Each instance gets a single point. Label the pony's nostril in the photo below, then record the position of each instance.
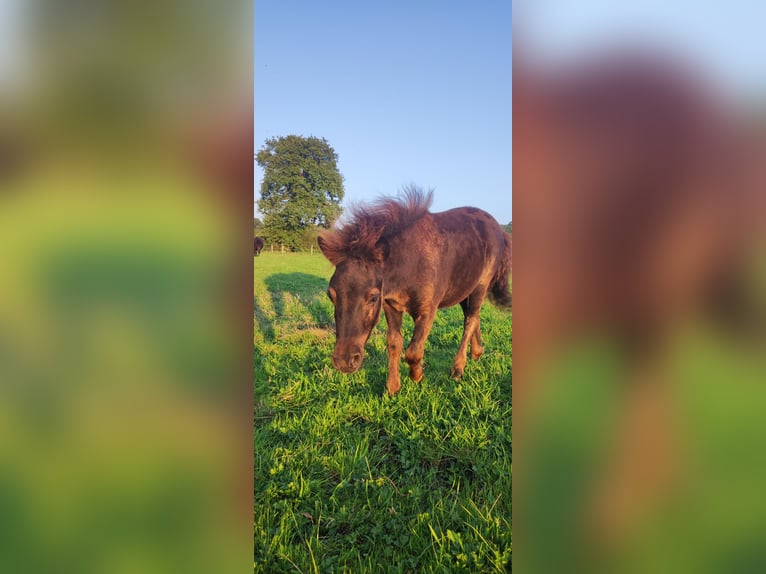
(355, 361)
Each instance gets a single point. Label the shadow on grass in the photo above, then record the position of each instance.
(265, 325)
(303, 286)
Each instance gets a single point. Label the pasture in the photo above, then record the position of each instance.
(349, 480)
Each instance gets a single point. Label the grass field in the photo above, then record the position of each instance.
(350, 480)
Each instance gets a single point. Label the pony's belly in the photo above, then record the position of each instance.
(452, 298)
(463, 285)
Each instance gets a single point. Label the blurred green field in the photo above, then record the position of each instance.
(349, 480)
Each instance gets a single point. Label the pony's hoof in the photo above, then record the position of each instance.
(456, 373)
(416, 376)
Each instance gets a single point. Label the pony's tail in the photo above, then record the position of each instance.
(499, 290)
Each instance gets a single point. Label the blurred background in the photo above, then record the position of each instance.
(126, 139)
(125, 357)
(639, 287)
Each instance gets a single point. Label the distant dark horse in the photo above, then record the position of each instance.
(397, 255)
(258, 245)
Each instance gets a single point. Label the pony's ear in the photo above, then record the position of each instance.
(328, 245)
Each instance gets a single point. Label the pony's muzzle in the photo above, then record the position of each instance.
(348, 362)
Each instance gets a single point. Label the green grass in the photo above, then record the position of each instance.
(350, 480)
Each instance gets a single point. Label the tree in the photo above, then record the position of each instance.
(257, 226)
(301, 189)
(508, 227)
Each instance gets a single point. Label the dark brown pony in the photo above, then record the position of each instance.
(397, 255)
(637, 189)
(639, 192)
(258, 245)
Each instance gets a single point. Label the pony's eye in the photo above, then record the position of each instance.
(373, 298)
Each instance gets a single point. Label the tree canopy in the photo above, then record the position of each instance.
(301, 189)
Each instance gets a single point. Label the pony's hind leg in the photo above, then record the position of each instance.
(471, 331)
(477, 349)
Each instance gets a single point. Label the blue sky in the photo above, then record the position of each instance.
(406, 92)
(726, 40)
(420, 91)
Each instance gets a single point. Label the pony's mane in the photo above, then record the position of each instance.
(360, 236)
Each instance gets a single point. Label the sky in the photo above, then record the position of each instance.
(725, 40)
(404, 91)
(12, 27)
(420, 91)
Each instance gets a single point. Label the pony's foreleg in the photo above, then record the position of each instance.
(395, 342)
(471, 332)
(416, 348)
